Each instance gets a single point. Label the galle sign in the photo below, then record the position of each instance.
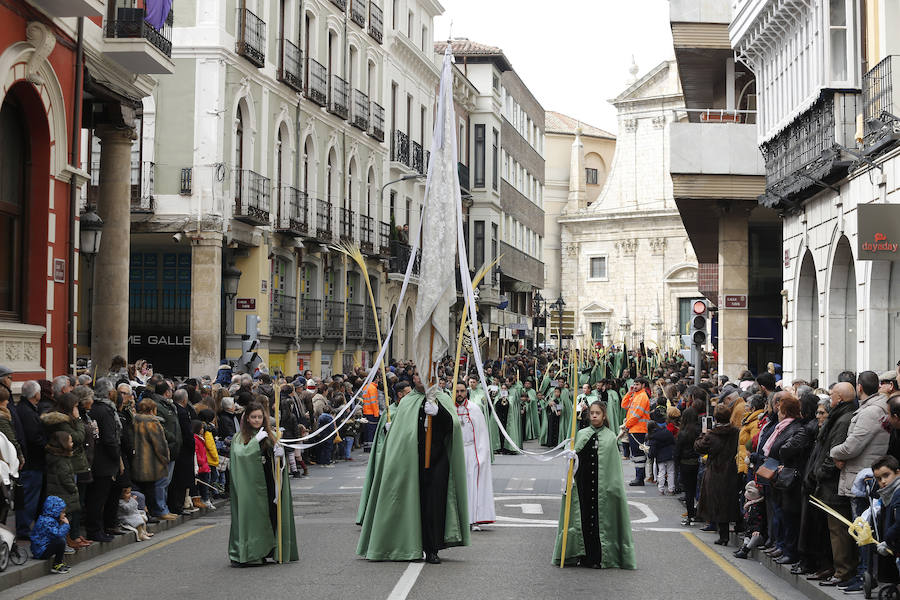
(878, 231)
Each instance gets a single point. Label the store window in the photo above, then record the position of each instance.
(14, 151)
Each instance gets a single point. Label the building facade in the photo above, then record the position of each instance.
(599, 150)
(628, 271)
(826, 130)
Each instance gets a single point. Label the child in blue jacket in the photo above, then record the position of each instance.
(48, 538)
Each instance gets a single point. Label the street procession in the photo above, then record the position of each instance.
(416, 299)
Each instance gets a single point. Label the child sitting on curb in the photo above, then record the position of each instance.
(48, 538)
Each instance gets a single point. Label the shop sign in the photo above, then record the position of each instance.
(59, 270)
(736, 301)
(245, 303)
(878, 231)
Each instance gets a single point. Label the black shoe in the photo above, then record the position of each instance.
(687, 522)
(802, 569)
(784, 560)
(100, 537)
(776, 554)
(721, 542)
(741, 553)
(636, 483)
(709, 528)
(115, 531)
(432, 558)
(152, 520)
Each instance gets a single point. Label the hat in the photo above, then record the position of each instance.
(886, 376)
(751, 492)
(311, 385)
(5, 371)
(299, 382)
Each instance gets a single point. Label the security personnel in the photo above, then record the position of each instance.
(638, 402)
(371, 412)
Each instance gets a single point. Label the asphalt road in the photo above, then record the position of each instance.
(509, 560)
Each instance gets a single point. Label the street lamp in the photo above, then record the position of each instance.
(230, 279)
(537, 302)
(559, 305)
(91, 231)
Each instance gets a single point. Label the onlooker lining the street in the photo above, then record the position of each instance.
(31, 475)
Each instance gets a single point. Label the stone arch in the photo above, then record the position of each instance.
(332, 188)
(370, 198)
(311, 286)
(806, 342)
(408, 330)
(14, 68)
(309, 160)
(244, 115)
(841, 350)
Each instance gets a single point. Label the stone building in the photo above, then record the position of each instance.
(628, 270)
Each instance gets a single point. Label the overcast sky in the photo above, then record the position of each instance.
(573, 55)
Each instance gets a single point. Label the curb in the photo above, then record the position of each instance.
(810, 589)
(35, 568)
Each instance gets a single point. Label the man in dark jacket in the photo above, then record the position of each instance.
(165, 409)
(183, 474)
(826, 474)
(31, 475)
(101, 499)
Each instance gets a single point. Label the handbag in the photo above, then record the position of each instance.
(785, 478)
(768, 472)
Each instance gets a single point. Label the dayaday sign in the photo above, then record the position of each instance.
(878, 231)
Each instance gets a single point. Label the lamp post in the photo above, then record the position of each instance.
(559, 305)
(537, 302)
(91, 226)
(231, 276)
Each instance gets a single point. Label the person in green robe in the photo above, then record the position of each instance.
(599, 534)
(477, 395)
(254, 512)
(614, 410)
(514, 417)
(566, 411)
(407, 509)
(550, 403)
(532, 421)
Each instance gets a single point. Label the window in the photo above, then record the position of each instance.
(479, 156)
(495, 82)
(424, 38)
(590, 176)
(597, 329)
(409, 25)
(598, 267)
(838, 38)
(495, 165)
(479, 244)
(396, 9)
(14, 149)
(494, 251)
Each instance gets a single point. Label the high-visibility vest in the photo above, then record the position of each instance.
(370, 400)
(638, 413)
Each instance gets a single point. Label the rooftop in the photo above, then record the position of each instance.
(475, 51)
(559, 123)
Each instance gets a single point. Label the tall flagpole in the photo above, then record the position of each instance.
(277, 467)
(569, 477)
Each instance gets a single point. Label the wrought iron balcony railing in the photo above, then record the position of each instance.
(358, 12)
(323, 220)
(338, 100)
(399, 260)
(370, 332)
(400, 148)
(251, 38)
(881, 107)
(463, 172)
(130, 23)
(293, 211)
(376, 22)
(418, 157)
(142, 186)
(366, 234)
(384, 239)
(333, 320)
(310, 318)
(355, 321)
(316, 82)
(251, 203)
(341, 4)
(376, 121)
(360, 115)
(283, 315)
(291, 66)
(347, 217)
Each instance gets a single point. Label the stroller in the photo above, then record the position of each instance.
(9, 550)
(878, 568)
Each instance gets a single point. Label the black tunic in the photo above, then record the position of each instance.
(501, 407)
(586, 479)
(552, 427)
(434, 480)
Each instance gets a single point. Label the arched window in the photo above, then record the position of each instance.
(370, 181)
(278, 171)
(307, 164)
(14, 153)
(238, 152)
(348, 200)
(329, 174)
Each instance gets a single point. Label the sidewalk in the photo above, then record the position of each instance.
(34, 568)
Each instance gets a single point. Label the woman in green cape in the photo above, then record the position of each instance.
(599, 524)
(254, 513)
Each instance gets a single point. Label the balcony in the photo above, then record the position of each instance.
(251, 203)
(370, 334)
(338, 99)
(333, 320)
(400, 148)
(358, 12)
(355, 321)
(376, 121)
(347, 217)
(719, 144)
(310, 318)
(323, 220)
(399, 258)
(360, 115)
(418, 157)
(881, 110)
(292, 213)
(251, 37)
(810, 151)
(376, 22)
(159, 309)
(520, 266)
(384, 239)
(71, 8)
(282, 315)
(463, 172)
(341, 4)
(136, 44)
(291, 65)
(142, 186)
(316, 82)
(366, 234)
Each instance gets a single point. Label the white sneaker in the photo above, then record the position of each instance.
(210, 505)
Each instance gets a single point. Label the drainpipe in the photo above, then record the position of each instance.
(73, 191)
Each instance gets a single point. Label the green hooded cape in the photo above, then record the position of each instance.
(389, 509)
(514, 416)
(251, 537)
(617, 548)
(532, 422)
(565, 415)
(614, 412)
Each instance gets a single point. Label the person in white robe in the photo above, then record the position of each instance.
(477, 446)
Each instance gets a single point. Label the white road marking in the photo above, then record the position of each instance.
(406, 581)
(517, 484)
(528, 509)
(663, 529)
(351, 487)
(649, 515)
(526, 522)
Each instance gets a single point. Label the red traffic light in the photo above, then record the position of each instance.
(699, 307)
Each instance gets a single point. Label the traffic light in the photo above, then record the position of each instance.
(699, 323)
(249, 359)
